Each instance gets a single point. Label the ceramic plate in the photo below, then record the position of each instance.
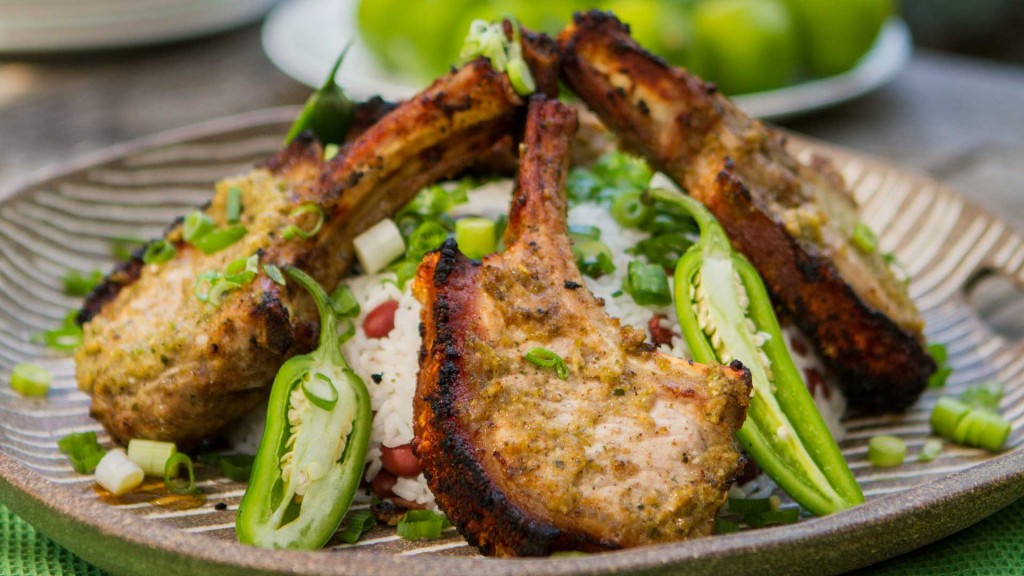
(303, 38)
(67, 220)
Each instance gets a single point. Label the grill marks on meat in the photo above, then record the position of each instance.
(793, 220)
(160, 364)
(635, 447)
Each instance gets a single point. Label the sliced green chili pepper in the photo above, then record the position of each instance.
(310, 461)
(328, 112)
(725, 314)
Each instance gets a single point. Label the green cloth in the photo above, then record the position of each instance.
(994, 546)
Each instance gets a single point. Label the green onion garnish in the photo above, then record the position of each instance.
(242, 270)
(344, 302)
(359, 522)
(197, 224)
(294, 230)
(219, 239)
(946, 415)
(726, 526)
(151, 455)
(963, 424)
(158, 252)
(78, 284)
(220, 288)
(237, 467)
(67, 338)
(31, 380)
(629, 209)
(578, 232)
(123, 248)
(940, 355)
(422, 525)
(750, 505)
(204, 284)
(475, 236)
(864, 238)
(330, 151)
(426, 237)
(547, 359)
(274, 273)
(647, 284)
(593, 258)
(886, 451)
(932, 447)
(233, 205)
(174, 484)
(83, 450)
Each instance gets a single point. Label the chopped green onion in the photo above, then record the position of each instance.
(725, 526)
(930, 450)
(320, 391)
(159, 252)
(117, 473)
(294, 230)
(359, 522)
(864, 238)
(547, 359)
(79, 284)
(647, 284)
(233, 205)
(983, 396)
(946, 416)
(426, 237)
(664, 249)
(520, 77)
(197, 224)
(475, 236)
(330, 151)
(151, 455)
(67, 338)
(174, 484)
(421, 525)
(237, 467)
(204, 283)
(274, 273)
(344, 302)
(750, 505)
(629, 209)
(593, 258)
(31, 380)
(940, 355)
(83, 449)
(220, 288)
(379, 245)
(123, 248)
(787, 516)
(241, 271)
(219, 239)
(490, 41)
(886, 451)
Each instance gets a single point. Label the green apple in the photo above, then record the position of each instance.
(744, 45)
(661, 27)
(835, 34)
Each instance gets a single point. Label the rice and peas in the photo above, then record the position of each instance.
(389, 364)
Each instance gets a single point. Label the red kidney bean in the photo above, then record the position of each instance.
(400, 460)
(382, 484)
(659, 334)
(381, 320)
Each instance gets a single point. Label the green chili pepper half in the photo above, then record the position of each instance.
(725, 314)
(311, 458)
(328, 112)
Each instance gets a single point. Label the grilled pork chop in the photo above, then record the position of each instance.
(631, 447)
(794, 221)
(161, 364)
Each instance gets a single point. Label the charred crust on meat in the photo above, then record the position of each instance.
(571, 285)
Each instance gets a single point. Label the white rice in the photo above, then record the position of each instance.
(394, 358)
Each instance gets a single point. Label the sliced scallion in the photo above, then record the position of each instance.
(344, 302)
(426, 237)
(117, 473)
(219, 239)
(294, 230)
(123, 248)
(475, 236)
(237, 467)
(233, 205)
(647, 284)
(931, 448)
(358, 523)
(220, 289)
(172, 469)
(886, 451)
(940, 355)
(151, 455)
(275, 274)
(421, 525)
(83, 449)
(593, 258)
(79, 284)
(67, 338)
(545, 358)
(158, 252)
(379, 245)
(197, 224)
(629, 209)
(31, 380)
(864, 238)
(204, 283)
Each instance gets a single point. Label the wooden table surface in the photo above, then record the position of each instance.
(959, 120)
